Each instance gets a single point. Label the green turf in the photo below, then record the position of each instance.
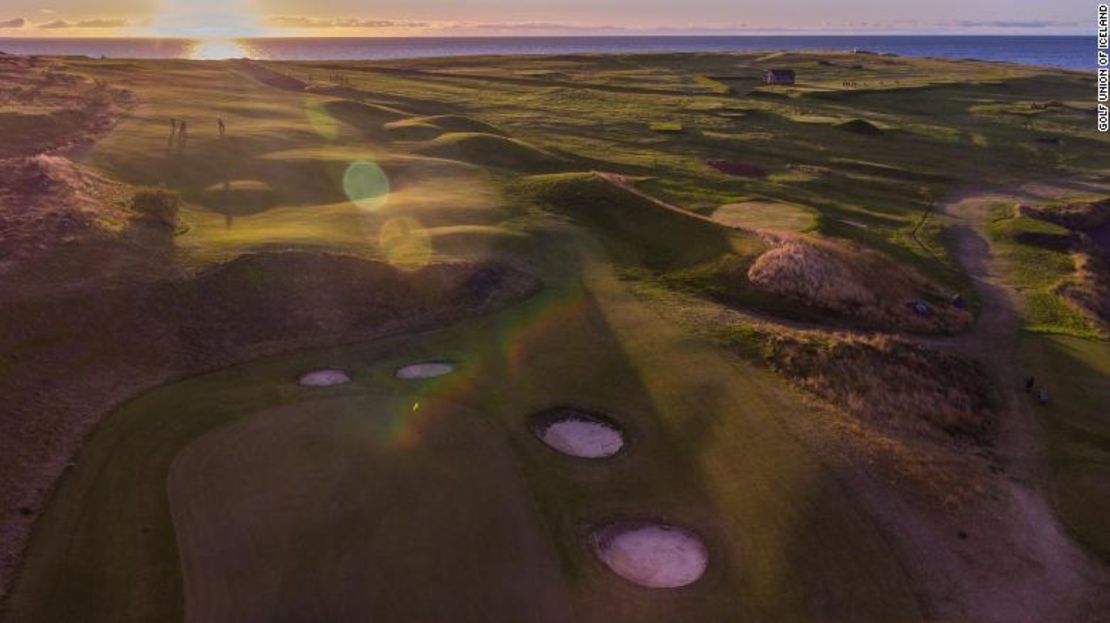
(1038, 261)
(1077, 375)
(786, 542)
(494, 156)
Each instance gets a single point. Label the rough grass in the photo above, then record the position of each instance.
(1090, 289)
(881, 380)
(1039, 261)
(854, 283)
(666, 127)
(157, 205)
(48, 200)
(1077, 213)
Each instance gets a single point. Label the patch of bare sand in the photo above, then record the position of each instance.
(854, 282)
(578, 433)
(325, 378)
(424, 370)
(652, 555)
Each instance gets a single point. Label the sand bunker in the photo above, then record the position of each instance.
(424, 370)
(652, 555)
(325, 378)
(578, 433)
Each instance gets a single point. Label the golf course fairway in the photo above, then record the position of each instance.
(301, 361)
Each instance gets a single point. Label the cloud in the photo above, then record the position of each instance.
(1032, 24)
(102, 23)
(434, 26)
(534, 27)
(85, 23)
(340, 22)
(15, 22)
(47, 11)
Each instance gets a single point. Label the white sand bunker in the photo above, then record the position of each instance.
(652, 555)
(424, 370)
(325, 378)
(578, 433)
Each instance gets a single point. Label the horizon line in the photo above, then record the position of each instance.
(552, 36)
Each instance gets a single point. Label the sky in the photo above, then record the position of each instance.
(240, 18)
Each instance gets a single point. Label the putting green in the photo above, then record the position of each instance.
(765, 215)
(361, 508)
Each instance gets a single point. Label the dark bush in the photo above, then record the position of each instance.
(157, 205)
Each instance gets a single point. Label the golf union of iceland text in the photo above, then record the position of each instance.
(1103, 68)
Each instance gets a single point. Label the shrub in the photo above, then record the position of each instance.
(157, 205)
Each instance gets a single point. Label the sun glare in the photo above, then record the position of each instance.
(218, 49)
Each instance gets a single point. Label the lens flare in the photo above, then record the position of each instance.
(367, 185)
(405, 243)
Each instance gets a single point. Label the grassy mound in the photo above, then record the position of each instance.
(887, 382)
(49, 199)
(365, 117)
(278, 296)
(239, 197)
(492, 151)
(459, 123)
(1090, 289)
(1039, 259)
(635, 230)
(1076, 213)
(887, 170)
(860, 126)
(411, 130)
(854, 283)
(1031, 231)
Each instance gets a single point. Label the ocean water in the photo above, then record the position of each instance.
(1064, 52)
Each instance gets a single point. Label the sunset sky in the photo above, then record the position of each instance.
(209, 18)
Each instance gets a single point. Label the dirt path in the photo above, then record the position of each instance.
(1014, 562)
